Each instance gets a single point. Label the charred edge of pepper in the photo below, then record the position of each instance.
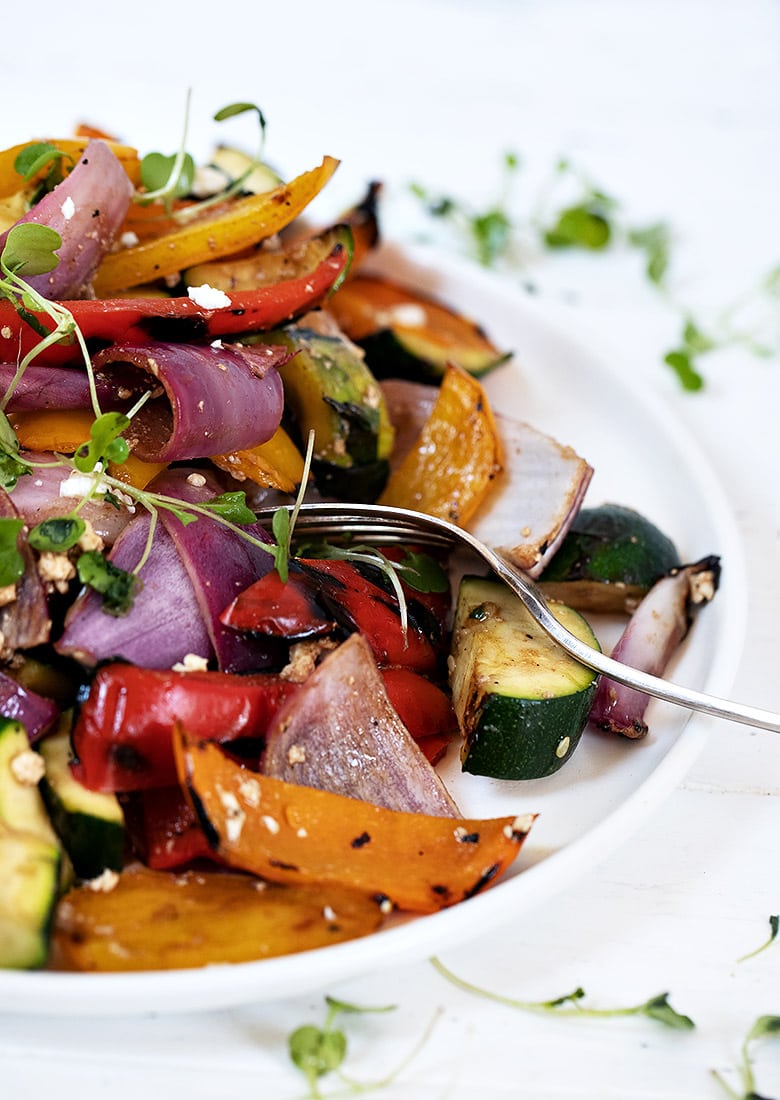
(175, 330)
(361, 841)
(211, 834)
(484, 880)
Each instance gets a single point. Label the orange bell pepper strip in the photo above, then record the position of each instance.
(450, 469)
(62, 430)
(11, 181)
(289, 833)
(247, 221)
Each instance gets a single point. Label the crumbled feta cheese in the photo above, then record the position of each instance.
(129, 239)
(104, 883)
(90, 539)
(196, 479)
(328, 913)
(6, 332)
(234, 815)
(208, 297)
(217, 344)
(28, 768)
(249, 789)
(191, 662)
(68, 208)
(56, 570)
(296, 754)
(208, 180)
(271, 824)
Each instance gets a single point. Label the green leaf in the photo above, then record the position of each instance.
(57, 534)
(36, 156)
(234, 109)
(10, 471)
(491, 232)
(658, 1008)
(30, 249)
(232, 507)
(423, 573)
(280, 525)
(11, 561)
(104, 434)
(681, 363)
(654, 240)
(316, 1051)
(581, 226)
(764, 1027)
(695, 339)
(157, 174)
(117, 587)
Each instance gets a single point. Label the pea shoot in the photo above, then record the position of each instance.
(774, 928)
(765, 1027)
(570, 1004)
(320, 1051)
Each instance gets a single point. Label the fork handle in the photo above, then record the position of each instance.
(625, 674)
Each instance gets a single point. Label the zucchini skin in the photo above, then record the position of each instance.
(30, 859)
(90, 824)
(521, 702)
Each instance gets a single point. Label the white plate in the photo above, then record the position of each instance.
(642, 458)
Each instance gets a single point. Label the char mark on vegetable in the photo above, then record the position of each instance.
(485, 878)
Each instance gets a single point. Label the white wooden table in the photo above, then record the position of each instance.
(675, 110)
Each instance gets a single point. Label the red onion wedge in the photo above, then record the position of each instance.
(24, 620)
(207, 400)
(652, 635)
(164, 623)
(36, 713)
(87, 210)
(37, 497)
(220, 564)
(339, 733)
(532, 502)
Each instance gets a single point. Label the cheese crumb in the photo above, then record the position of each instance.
(104, 883)
(271, 824)
(68, 208)
(296, 754)
(196, 479)
(208, 297)
(191, 662)
(28, 768)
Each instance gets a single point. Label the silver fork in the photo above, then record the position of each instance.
(377, 525)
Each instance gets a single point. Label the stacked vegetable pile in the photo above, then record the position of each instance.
(205, 720)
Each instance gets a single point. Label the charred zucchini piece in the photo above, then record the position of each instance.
(609, 559)
(235, 164)
(90, 824)
(406, 334)
(329, 390)
(29, 855)
(521, 702)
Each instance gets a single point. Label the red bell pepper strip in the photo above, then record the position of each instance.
(122, 734)
(164, 830)
(323, 592)
(111, 320)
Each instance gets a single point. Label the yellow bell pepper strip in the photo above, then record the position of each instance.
(247, 221)
(11, 181)
(289, 833)
(276, 464)
(156, 920)
(138, 320)
(449, 470)
(62, 430)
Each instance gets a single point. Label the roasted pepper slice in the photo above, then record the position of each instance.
(449, 470)
(115, 320)
(122, 735)
(247, 221)
(155, 920)
(289, 833)
(11, 181)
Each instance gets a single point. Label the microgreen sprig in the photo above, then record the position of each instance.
(570, 1004)
(774, 928)
(764, 1027)
(319, 1051)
